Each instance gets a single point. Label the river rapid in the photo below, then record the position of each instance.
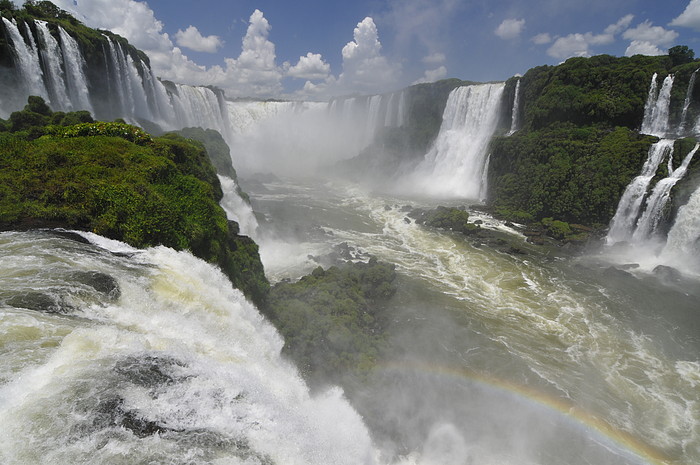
(112, 355)
(542, 357)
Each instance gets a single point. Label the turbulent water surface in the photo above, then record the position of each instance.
(114, 355)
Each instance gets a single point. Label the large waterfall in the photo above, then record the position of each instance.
(455, 165)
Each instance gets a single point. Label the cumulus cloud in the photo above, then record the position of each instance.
(510, 28)
(642, 47)
(310, 67)
(254, 72)
(364, 67)
(541, 39)
(580, 44)
(191, 38)
(646, 32)
(432, 75)
(690, 16)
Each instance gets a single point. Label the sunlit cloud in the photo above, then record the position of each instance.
(580, 45)
(642, 47)
(312, 67)
(432, 75)
(541, 39)
(191, 38)
(690, 16)
(646, 32)
(510, 28)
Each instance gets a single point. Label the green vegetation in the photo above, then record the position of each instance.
(572, 173)
(578, 149)
(332, 320)
(453, 219)
(115, 180)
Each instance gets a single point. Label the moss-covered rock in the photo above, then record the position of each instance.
(332, 320)
(117, 181)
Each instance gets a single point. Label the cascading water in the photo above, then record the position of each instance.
(75, 72)
(687, 101)
(683, 241)
(515, 114)
(623, 223)
(150, 357)
(656, 112)
(51, 54)
(27, 61)
(455, 165)
(201, 107)
(658, 199)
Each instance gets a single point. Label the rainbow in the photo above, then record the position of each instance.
(561, 406)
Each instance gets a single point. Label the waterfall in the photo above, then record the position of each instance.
(454, 166)
(656, 110)
(27, 61)
(237, 209)
(75, 72)
(180, 368)
(686, 102)
(683, 239)
(624, 221)
(658, 198)
(372, 119)
(51, 55)
(515, 114)
(201, 107)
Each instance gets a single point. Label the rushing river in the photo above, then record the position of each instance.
(507, 358)
(112, 355)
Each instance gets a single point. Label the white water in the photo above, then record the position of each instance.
(658, 199)
(515, 114)
(623, 223)
(75, 72)
(530, 318)
(454, 167)
(179, 348)
(657, 110)
(51, 53)
(687, 101)
(237, 209)
(683, 241)
(27, 61)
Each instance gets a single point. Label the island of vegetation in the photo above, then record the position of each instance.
(66, 170)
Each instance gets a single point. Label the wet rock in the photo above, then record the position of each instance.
(101, 282)
(149, 371)
(407, 220)
(39, 302)
(668, 274)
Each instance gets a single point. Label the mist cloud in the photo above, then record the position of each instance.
(191, 38)
(432, 75)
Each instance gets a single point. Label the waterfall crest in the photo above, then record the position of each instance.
(657, 109)
(455, 165)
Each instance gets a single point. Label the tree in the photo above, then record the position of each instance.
(6, 5)
(681, 54)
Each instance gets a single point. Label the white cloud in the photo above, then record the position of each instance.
(619, 26)
(580, 44)
(254, 72)
(432, 75)
(310, 67)
(690, 16)
(642, 47)
(541, 39)
(510, 28)
(655, 35)
(191, 38)
(434, 58)
(364, 67)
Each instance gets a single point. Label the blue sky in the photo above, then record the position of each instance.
(315, 49)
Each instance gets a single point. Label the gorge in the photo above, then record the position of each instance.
(124, 340)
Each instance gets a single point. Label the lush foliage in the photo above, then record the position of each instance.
(332, 319)
(571, 173)
(584, 91)
(450, 218)
(117, 181)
